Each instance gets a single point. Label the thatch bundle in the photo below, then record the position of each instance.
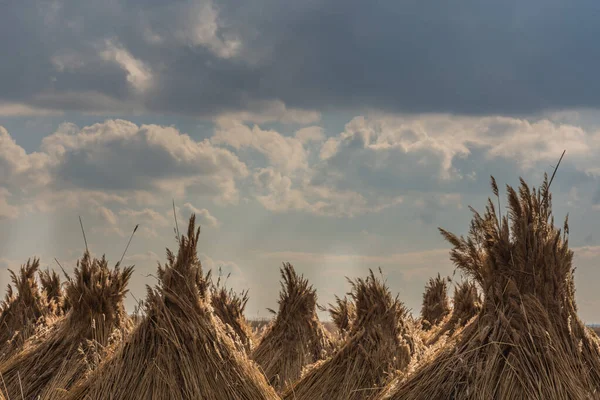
(342, 314)
(24, 309)
(466, 305)
(179, 350)
(229, 307)
(436, 305)
(296, 338)
(527, 342)
(50, 364)
(381, 343)
(52, 290)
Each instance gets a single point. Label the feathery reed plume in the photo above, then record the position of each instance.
(467, 304)
(23, 311)
(48, 365)
(436, 305)
(52, 290)
(342, 313)
(296, 338)
(381, 342)
(179, 350)
(527, 342)
(229, 307)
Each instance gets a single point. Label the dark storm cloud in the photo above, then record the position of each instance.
(412, 56)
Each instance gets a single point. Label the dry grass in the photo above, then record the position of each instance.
(57, 358)
(52, 291)
(527, 342)
(229, 307)
(24, 310)
(466, 305)
(436, 305)
(179, 350)
(520, 338)
(343, 313)
(296, 338)
(381, 343)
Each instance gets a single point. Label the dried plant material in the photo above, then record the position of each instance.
(527, 342)
(54, 361)
(436, 305)
(466, 305)
(343, 313)
(296, 338)
(229, 306)
(179, 350)
(52, 291)
(23, 311)
(381, 343)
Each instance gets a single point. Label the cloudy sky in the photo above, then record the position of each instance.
(336, 135)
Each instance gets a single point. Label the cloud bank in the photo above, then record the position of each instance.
(209, 57)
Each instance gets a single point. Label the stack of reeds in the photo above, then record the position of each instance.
(52, 291)
(229, 308)
(527, 342)
(343, 313)
(179, 350)
(381, 343)
(436, 305)
(466, 305)
(296, 338)
(51, 363)
(24, 310)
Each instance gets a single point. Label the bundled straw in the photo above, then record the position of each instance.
(22, 312)
(296, 338)
(381, 343)
(229, 307)
(527, 342)
(50, 364)
(52, 290)
(342, 314)
(467, 304)
(436, 305)
(179, 350)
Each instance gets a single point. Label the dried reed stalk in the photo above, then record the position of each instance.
(296, 338)
(229, 308)
(55, 360)
(436, 305)
(24, 310)
(52, 291)
(343, 313)
(527, 342)
(381, 343)
(466, 305)
(179, 350)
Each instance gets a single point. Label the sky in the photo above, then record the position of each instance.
(335, 135)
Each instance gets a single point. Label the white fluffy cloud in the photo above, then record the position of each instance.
(203, 27)
(310, 134)
(375, 163)
(139, 75)
(203, 216)
(285, 153)
(422, 152)
(119, 155)
(113, 166)
(276, 192)
(19, 169)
